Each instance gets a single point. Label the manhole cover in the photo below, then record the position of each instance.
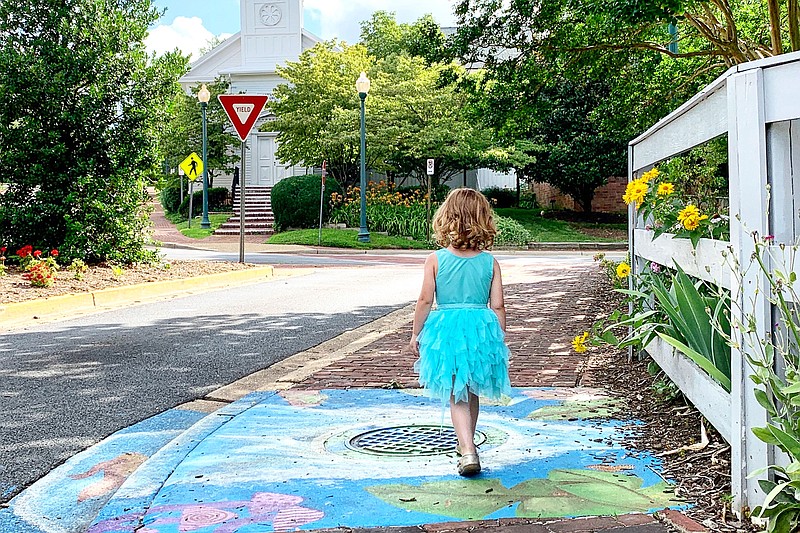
(409, 440)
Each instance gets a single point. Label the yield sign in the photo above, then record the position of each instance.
(243, 110)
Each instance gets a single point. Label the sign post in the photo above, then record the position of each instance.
(429, 171)
(243, 111)
(321, 203)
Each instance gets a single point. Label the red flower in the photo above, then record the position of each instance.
(54, 253)
(2, 250)
(37, 254)
(25, 251)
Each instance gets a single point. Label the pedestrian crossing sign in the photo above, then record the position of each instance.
(192, 166)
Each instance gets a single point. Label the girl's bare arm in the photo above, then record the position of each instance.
(496, 301)
(425, 300)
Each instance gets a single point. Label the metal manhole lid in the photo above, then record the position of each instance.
(409, 440)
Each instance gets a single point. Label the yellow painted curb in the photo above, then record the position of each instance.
(24, 312)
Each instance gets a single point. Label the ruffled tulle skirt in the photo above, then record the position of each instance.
(463, 350)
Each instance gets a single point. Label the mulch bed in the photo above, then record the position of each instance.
(668, 423)
(14, 288)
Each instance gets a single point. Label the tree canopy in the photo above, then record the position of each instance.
(414, 112)
(80, 108)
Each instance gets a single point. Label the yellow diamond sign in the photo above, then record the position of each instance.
(192, 166)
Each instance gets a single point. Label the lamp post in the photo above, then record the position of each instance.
(204, 95)
(362, 86)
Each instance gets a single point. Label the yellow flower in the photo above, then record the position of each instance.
(635, 192)
(650, 175)
(579, 342)
(623, 270)
(665, 189)
(690, 217)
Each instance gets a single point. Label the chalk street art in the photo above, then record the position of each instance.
(366, 458)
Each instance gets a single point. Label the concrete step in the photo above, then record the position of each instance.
(253, 231)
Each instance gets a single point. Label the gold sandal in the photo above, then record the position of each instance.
(469, 465)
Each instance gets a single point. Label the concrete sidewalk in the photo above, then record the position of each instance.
(339, 437)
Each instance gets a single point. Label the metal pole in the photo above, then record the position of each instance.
(673, 34)
(363, 233)
(205, 224)
(321, 204)
(191, 199)
(242, 189)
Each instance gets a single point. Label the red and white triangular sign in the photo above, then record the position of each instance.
(243, 110)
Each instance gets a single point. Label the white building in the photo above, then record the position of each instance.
(272, 33)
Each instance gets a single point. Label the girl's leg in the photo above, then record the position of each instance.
(461, 414)
(474, 410)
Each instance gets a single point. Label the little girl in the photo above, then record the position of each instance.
(461, 348)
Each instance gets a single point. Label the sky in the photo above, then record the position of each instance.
(190, 24)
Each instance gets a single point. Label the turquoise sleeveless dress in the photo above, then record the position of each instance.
(462, 346)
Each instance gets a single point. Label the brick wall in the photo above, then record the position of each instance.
(607, 199)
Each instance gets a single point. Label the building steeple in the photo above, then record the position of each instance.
(272, 32)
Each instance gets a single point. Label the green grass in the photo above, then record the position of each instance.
(344, 238)
(552, 230)
(196, 232)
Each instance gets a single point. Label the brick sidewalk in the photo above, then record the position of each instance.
(543, 318)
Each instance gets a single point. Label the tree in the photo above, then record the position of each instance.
(318, 111)
(80, 104)
(418, 113)
(383, 37)
(723, 31)
(184, 132)
(414, 112)
(574, 152)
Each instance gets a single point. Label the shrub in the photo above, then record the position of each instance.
(295, 201)
(511, 233)
(170, 197)
(500, 197)
(217, 198)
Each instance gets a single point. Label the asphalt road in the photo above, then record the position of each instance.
(67, 385)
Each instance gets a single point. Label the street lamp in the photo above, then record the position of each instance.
(204, 95)
(362, 86)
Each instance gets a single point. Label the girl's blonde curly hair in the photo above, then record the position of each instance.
(465, 220)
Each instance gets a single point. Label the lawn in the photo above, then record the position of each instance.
(552, 230)
(196, 232)
(343, 238)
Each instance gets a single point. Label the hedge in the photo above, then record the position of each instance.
(295, 201)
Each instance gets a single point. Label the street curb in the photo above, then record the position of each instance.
(583, 246)
(15, 314)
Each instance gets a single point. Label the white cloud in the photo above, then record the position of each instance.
(342, 18)
(185, 33)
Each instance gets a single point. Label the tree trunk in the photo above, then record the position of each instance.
(775, 26)
(585, 201)
(793, 12)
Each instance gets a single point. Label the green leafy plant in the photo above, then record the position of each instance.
(399, 212)
(685, 313)
(78, 268)
(117, 271)
(511, 233)
(775, 362)
(217, 198)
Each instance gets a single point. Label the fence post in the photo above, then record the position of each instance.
(748, 207)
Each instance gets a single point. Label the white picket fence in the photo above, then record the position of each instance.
(757, 105)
